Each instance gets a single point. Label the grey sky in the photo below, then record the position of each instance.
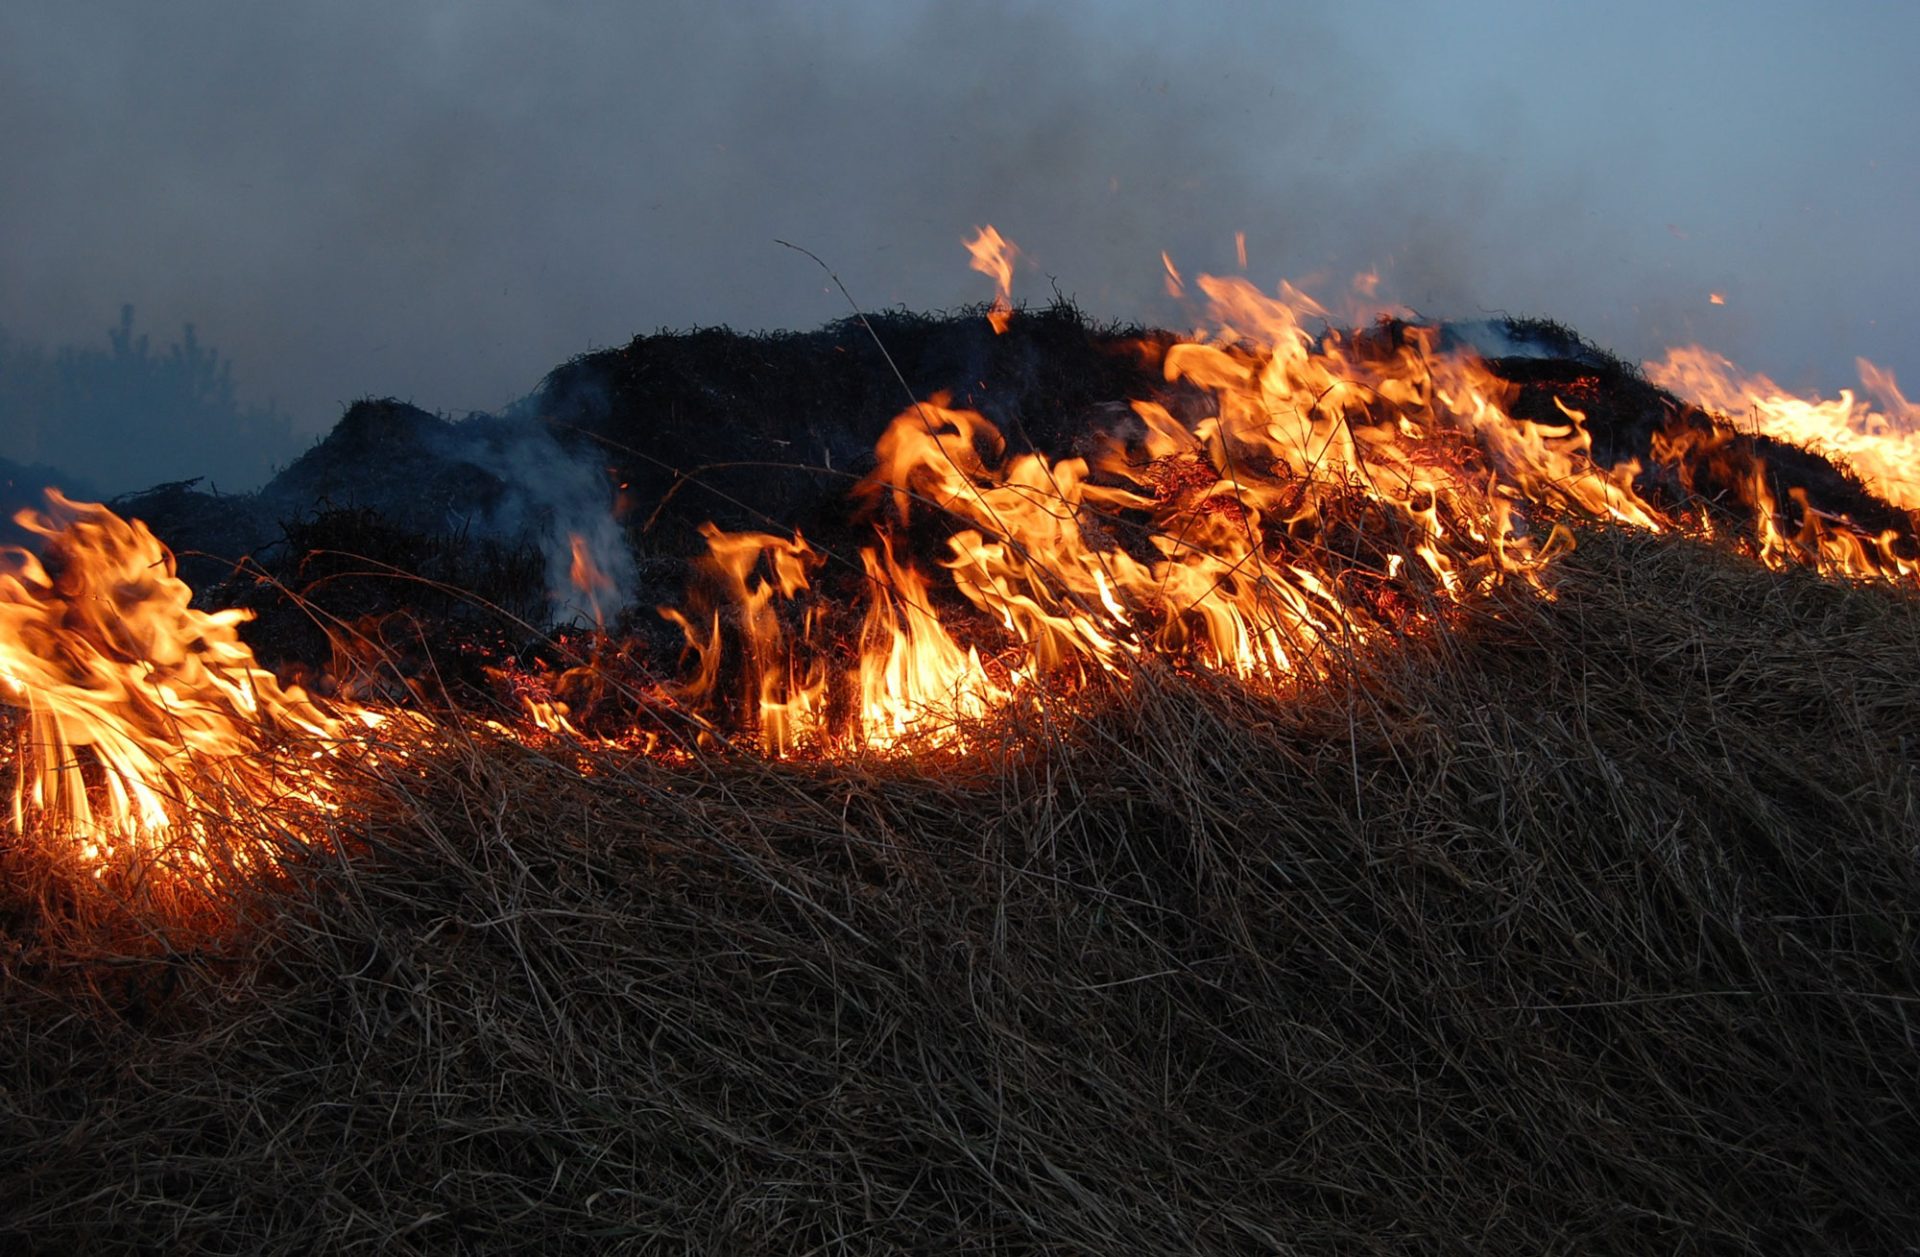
(440, 201)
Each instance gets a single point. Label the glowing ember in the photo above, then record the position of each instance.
(147, 725)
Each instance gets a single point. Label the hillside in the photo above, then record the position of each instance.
(1567, 905)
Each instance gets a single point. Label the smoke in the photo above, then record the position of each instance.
(441, 201)
(562, 501)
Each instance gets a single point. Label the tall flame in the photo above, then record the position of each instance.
(148, 723)
(992, 256)
(1336, 485)
(1882, 446)
(588, 578)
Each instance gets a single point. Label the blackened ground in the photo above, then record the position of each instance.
(770, 431)
(399, 513)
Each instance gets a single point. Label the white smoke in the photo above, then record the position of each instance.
(559, 499)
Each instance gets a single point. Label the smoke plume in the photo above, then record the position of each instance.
(441, 201)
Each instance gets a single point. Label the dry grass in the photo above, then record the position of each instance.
(1588, 927)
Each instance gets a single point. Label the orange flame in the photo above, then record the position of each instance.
(1881, 446)
(1337, 485)
(1320, 491)
(587, 576)
(993, 257)
(148, 723)
(1176, 287)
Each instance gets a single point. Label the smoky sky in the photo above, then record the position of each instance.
(441, 201)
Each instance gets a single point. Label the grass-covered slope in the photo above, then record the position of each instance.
(1585, 925)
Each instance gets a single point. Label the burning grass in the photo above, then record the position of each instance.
(1583, 924)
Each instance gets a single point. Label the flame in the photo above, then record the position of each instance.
(587, 576)
(993, 257)
(1339, 489)
(1881, 446)
(1313, 492)
(1176, 287)
(147, 724)
(914, 679)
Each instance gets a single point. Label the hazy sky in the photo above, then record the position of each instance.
(441, 201)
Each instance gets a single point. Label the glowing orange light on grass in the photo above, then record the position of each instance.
(147, 724)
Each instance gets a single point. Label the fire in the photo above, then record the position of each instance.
(1176, 287)
(913, 677)
(993, 257)
(1881, 446)
(587, 577)
(1339, 488)
(1303, 493)
(148, 725)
